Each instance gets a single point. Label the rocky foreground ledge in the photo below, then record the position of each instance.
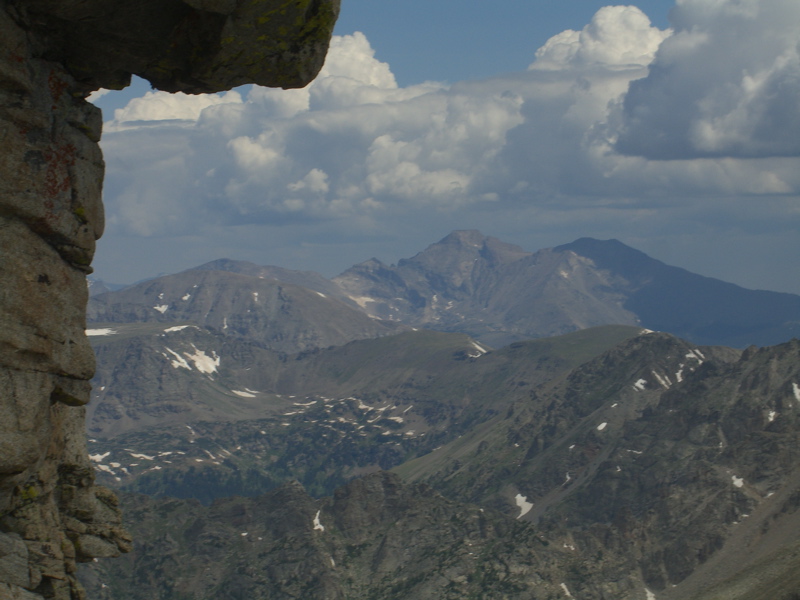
(53, 53)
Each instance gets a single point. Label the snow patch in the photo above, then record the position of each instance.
(640, 384)
(796, 389)
(650, 595)
(162, 308)
(317, 525)
(772, 415)
(696, 354)
(321, 295)
(202, 362)
(98, 457)
(566, 590)
(255, 296)
(97, 332)
(363, 301)
(523, 504)
(243, 394)
(142, 456)
(664, 381)
(186, 297)
(479, 348)
(737, 481)
(602, 426)
(179, 362)
(176, 328)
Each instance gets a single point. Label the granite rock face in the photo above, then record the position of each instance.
(53, 53)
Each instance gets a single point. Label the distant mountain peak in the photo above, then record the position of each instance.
(472, 237)
(611, 252)
(497, 291)
(467, 244)
(226, 264)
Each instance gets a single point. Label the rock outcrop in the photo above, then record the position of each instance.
(53, 53)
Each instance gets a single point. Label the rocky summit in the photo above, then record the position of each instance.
(53, 53)
(500, 293)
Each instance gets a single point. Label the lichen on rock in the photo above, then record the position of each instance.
(53, 53)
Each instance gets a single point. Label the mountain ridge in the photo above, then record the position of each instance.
(496, 292)
(654, 469)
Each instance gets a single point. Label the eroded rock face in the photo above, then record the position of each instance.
(53, 53)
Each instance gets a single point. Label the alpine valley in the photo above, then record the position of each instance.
(478, 421)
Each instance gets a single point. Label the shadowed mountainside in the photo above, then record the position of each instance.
(658, 469)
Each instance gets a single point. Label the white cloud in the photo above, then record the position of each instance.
(97, 94)
(163, 106)
(727, 83)
(353, 156)
(349, 143)
(618, 36)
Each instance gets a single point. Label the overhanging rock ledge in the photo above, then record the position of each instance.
(53, 53)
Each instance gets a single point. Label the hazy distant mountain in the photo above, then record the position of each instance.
(497, 293)
(281, 316)
(702, 309)
(98, 286)
(307, 279)
(469, 283)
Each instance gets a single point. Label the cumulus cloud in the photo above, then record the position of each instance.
(572, 146)
(350, 143)
(727, 83)
(155, 107)
(618, 36)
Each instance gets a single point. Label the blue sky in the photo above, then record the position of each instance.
(674, 127)
(453, 40)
